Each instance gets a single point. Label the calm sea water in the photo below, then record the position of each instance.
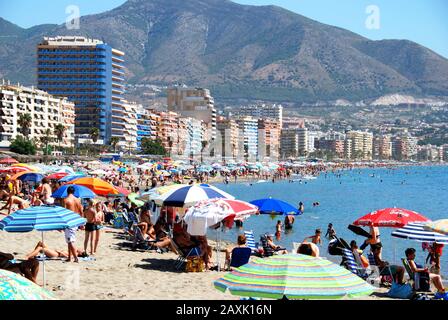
(344, 199)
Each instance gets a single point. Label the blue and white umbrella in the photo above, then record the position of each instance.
(41, 218)
(415, 231)
(72, 177)
(189, 195)
(80, 192)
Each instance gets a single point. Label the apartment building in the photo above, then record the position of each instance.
(46, 112)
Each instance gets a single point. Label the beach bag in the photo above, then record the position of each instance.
(118, 221)
(401, 291)
(195, 264)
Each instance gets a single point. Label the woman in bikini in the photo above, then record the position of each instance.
(49, 253)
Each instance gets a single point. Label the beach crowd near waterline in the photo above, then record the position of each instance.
(130, 180)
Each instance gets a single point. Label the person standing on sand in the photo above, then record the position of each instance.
(90, 214)
(74, 204)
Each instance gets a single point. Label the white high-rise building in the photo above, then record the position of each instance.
(46, 112)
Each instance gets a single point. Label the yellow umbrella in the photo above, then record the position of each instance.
(32, 168)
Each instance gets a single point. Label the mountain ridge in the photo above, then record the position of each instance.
(242, 52)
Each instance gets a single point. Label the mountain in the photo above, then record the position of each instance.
(241, 52)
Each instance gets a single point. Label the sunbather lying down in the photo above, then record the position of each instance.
(29, 268)
(50, 253)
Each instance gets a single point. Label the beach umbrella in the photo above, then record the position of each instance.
(14, 170)
(216, 166)
(122, 192)
(32, 168)
(41, 218)
(15, 287)
(31, 177)
(133, 198)
(98, 172)
(415, 231)
(57, 175)
(72, 177)
(154, 193)
(440, 226)
(8, 161)
(294, 276)
(100, 187)
(390, 217)
(80, 192)
(209, 212)
(122, 170)
(275, 206)
(188, 196)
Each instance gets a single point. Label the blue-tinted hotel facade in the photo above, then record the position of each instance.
(89, 73)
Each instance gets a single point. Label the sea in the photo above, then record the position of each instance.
(344, 197)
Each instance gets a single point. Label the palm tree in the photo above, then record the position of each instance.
(94, 134)
(24, 123)
(114, 141)
(46, 139)
(59, 131)
(204, 144)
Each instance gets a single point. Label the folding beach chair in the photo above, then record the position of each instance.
(140, 240)
(350, 263)
(251, 241)
(240, 256)
(183, 255)
(415, 278)
(376, 278)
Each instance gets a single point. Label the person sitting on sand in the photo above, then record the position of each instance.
(435, 278)
(50, 253)
(316, 238)
(395, 271)
(29, 268)
(241, 243)
(277, 249)
(205, 250)
(15, 200)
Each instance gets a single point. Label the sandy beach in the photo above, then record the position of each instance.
(119, 272)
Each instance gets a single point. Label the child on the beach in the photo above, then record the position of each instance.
(316, 238)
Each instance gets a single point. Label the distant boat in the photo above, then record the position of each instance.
(261, 181)
(309, 177)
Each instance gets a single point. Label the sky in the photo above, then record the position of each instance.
(422, 21)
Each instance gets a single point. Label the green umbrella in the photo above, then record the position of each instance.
(295, 276)
(16, 287)
(133, 198)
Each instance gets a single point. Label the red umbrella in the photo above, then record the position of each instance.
(14, 169)
(57, 175)
(8, 161)
(390, 217)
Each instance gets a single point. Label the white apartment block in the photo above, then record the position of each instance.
(46, 112)
(263, 111)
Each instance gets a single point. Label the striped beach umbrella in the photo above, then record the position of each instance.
(15, 287)
(156, 192)
(416, 231)
(440, 226)
(294, 276)
(41, 218)
(189, 195)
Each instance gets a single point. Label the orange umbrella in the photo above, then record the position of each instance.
(100, 187)
(17, 175)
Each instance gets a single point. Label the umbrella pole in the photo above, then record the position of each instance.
(43, 260)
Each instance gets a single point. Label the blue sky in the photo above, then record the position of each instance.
(422, 21)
